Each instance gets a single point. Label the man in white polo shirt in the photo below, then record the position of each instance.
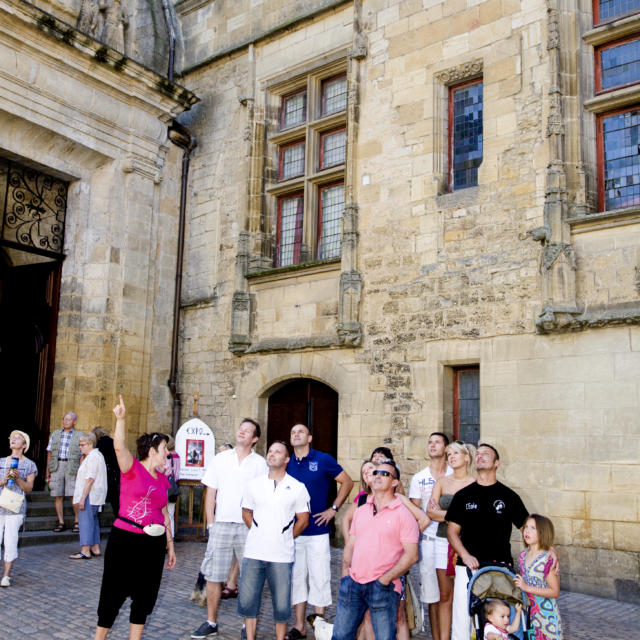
(226, 478)
(420, 494)
(275, 507)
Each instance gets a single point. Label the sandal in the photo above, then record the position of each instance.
(294, 634)
(79, 556)
(94, 554)
(59, 527)
(76, 527)
(228, 593)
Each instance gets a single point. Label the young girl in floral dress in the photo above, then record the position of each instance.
(538, 581)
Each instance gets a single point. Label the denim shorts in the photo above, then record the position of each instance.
(254, 574)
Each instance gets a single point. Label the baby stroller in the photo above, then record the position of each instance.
(495, 581)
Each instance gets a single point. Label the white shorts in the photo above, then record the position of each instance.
(312, 562)
(442, 553)
(429, 591)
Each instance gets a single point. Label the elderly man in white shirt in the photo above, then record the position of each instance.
(89, 495)
(226, 478)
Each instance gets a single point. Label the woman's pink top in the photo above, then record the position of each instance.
(362, 493)
(142, 498)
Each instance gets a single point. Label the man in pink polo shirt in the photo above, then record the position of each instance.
(382, 546)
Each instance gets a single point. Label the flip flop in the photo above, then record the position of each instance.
(294, 634)
(79, 556)
(59, 527)
(95, 555)
(76, 528)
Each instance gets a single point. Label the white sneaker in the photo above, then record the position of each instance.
(6, 582)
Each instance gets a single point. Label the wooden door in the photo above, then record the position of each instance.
(28, 322)
(308, 402)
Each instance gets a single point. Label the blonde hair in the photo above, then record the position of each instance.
(490, 606)
(465, 448)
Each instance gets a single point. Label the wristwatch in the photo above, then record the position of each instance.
(335, 507)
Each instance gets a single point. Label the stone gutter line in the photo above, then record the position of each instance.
(263, 36)
(112, 59)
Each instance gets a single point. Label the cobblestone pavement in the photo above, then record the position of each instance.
(53, 597)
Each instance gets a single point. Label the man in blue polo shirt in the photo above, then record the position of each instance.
(316, 470)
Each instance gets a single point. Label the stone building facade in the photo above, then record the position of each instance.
(402, 216)
(499, 277)
(90, 194)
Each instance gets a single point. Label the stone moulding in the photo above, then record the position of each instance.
(460, 73)
(552, 250)
(293, 344)
(70, 36)
(561, 320)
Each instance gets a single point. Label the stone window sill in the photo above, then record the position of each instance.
(604, 219)
(613, 30)
(459, 198)
(613, 99)
(293, 271)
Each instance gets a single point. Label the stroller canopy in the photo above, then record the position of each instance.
(495, 582)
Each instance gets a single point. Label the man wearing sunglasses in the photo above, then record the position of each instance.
(382, 546)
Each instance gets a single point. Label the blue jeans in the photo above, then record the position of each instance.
(254, 574)
(89, 524)
(353, 601)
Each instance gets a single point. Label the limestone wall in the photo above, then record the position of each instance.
(448, 279)
(105, 131)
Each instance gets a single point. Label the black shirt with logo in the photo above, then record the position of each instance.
(485, 515)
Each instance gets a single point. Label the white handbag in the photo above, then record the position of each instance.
(11, 501)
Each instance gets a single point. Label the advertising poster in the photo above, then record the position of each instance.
(196, 445)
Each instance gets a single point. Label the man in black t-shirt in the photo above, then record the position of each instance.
(480, 520)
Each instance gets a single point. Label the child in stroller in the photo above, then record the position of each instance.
(497, 614)
(491, 591)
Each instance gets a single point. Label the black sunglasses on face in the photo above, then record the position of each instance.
(382, 472)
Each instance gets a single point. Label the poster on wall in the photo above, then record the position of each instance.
(196, 445)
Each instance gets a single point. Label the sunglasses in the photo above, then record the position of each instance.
(382, 472)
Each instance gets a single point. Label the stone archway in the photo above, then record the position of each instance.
(306, 401)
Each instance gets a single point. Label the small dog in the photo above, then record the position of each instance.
(199, 593)
(322, 630)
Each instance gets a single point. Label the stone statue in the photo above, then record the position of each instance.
(116, 20)
(105, 20)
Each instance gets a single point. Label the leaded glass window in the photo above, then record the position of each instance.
(331, 209)
(292, 161)
(294, 110)
(334, 95)
(465, 123)
(618, 140)
(333, 147)
(605, 10)
(619, 65)
(290, 210)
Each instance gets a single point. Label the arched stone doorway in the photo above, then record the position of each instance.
(305, 401)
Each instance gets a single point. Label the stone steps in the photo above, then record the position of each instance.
(41, 519)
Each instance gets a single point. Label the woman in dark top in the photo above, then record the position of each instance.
(460, 457)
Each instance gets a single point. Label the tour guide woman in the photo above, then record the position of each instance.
(135, 551)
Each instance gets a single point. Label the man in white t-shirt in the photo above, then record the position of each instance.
(420, 494)
(275, 507)
(226, 478)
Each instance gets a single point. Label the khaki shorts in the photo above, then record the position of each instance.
(60, 483)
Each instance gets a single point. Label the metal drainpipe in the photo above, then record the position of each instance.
(172, 39)
(181, 137)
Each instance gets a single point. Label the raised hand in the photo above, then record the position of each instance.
(119, 410)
